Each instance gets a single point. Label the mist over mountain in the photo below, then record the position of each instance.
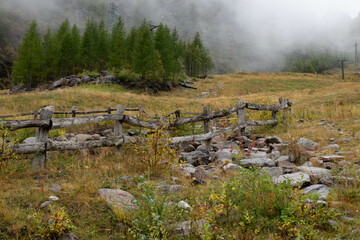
(242, 35)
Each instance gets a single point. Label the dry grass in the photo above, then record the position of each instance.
(315, 97)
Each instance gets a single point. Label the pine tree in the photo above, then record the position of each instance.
(88, 47)
(75, 53)
(28, 66)
(118, 54)
(130, 47)
(102, 46)
(144, 52)
(164, 45)
(65, 43)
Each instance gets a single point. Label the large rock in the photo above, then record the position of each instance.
(296, 179)
(57, 84)
(257, 162)
(319, 189)
(118, 198)
(30, 140)
(308, 144)
(332, 158)
(272, 140)
(220, 157)
(196, 158)
(84, 137)
(258, 155)
(315, 173)
(273, 171)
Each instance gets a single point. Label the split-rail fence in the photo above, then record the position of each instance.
(44, 122)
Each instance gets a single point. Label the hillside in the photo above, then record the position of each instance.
(325, 109)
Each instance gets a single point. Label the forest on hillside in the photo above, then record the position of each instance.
(237, 41)
(150, 54)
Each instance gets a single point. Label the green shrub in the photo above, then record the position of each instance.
(53, 227)
(92, 74)
(153, 214)
(8, 156)
(126, 75)
(252, 204)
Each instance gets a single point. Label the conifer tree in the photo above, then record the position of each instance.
(75, 53)
(65, 45)
(102, 46)
(165, 47)
(50, 46)
(118, 54)
(88, 47)
(144, 52)
(130, 47)
(28, 66)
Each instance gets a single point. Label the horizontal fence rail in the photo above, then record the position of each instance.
(46, 122)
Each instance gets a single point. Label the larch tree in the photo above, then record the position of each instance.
(29, 65)
(117, 55)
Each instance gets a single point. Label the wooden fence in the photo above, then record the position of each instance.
(44, 122)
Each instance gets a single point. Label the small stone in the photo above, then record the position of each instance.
(185, 205)
(45, 204)
(331, 158)
(231, 167)
(53, 198)
(175, 179)
(331, 147)
(189, 148)
(55, 188)
(69, 236)
(258, 155)
(335, 204)
(308, 164)
(200, 173)
(273, 140)
(170, 188)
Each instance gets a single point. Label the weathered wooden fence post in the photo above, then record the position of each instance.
(73, 111)
(241, 116)
(118, 125)
(285, 106)
(41, 135)
(207, 129)
(36, 114)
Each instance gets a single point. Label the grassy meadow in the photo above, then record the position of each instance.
(277, 215)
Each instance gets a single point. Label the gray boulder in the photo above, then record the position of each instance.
(221, 156)
(85, 79)
(308, 144)
(196, 158)
(57, 84)
(118, 198)
(257, 162)
(273, 140)
(258, 155)
(296, 179)
(319, 189)
(315, 173)
(200, 173)
(273, 171)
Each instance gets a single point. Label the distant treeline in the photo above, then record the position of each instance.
(312, 61)
(155, 55)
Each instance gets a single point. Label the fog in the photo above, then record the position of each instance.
(243, 35)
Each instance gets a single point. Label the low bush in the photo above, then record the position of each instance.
(252, 204)
(154, 154)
